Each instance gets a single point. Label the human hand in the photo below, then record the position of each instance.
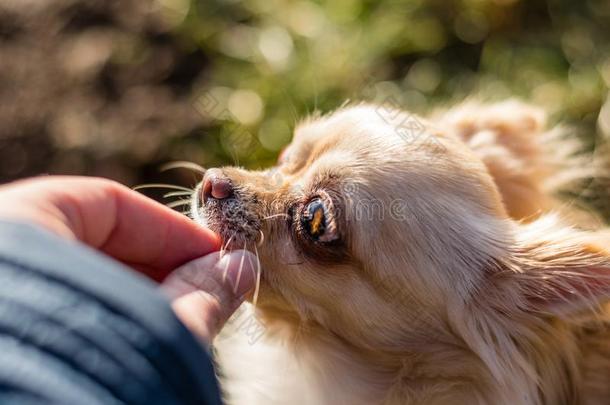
(142, 234)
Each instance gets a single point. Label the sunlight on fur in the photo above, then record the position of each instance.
(412, 260)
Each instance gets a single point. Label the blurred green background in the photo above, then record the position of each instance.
(118, 87)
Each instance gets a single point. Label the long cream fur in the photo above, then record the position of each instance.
(488, 290)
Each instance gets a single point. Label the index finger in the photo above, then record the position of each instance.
(112, 218)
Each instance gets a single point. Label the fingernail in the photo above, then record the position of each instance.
(239, 268)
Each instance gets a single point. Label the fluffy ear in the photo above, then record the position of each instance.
(509, 138)
(528, 160)
(558, 270)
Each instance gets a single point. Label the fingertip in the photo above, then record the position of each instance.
(212, 240)
(207, 290)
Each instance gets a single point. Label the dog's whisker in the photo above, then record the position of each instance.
(241, 267)
(276, 216)
(223, 249)
(178, 203)
(257, 286)
(177, 194)
(161, 185)
(226, 244)
(261, 240)
(183, 164)
(225, 271)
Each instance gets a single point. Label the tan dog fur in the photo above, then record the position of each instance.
(479, 292)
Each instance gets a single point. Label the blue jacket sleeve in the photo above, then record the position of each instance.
(79, 328)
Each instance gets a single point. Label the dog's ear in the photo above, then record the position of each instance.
(509, 137)
(558, 270)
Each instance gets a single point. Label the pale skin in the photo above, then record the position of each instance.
(152, 239)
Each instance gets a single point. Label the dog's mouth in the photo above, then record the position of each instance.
(232, 217)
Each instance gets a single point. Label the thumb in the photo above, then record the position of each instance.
(205, 292)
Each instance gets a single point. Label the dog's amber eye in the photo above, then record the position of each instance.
(314, 217)
(317, 221)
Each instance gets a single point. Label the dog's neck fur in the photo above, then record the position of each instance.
(543, 369)
(491, 351)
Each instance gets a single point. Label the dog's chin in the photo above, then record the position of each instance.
(227, 219)
(231, 238)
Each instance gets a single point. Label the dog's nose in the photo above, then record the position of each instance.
(216, 185)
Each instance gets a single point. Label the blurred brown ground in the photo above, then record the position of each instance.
(93, 87)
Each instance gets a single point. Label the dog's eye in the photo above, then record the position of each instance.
(318, 221)
(314, 218)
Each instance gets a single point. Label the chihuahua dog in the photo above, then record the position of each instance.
(414, 261)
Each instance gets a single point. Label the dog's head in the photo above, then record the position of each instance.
(388, 231)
